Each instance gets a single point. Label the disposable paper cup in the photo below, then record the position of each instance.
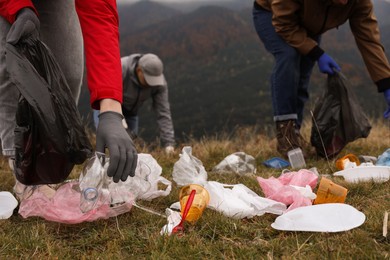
(330, 192)
(341, 162)
(200, 202)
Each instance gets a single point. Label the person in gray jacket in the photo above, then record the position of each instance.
(143, 78)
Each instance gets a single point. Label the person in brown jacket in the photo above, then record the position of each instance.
(290, 30)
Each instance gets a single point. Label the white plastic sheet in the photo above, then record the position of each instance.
(329, 217)
(7, 204)
(365, 173)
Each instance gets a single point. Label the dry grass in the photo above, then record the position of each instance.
(135, 235)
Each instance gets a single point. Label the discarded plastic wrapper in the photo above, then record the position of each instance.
(330, 217)
(280, 189)
(365, 173)
(189, 169)
(116, 199)
(239, 162)
(277, 163)
(238, 201)
(7, 204)
(384, 159)
(173, 218)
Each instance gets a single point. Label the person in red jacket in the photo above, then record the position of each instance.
(70, 28)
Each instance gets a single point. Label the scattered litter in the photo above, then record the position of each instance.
(296, 158)
(201, 199)
(173, 218)
(112, 198)
(347, 161)
(329, 217)
(236, 201)
(277, 163)
(280, 189)
(330, 192)
(239, 162)
(7, 204)
(365, 173)
(384, 159)
(189, 169)
(367, 158)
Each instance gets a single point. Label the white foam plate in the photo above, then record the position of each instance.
(7, 204)
(329, 217)
(365, 173)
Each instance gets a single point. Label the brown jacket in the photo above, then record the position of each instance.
(296, 20)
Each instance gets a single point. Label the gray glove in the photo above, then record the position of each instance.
(25, 26)
(112, 135)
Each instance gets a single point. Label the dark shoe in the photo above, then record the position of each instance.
(287, 137)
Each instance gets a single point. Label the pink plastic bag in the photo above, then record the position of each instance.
(64, 206)
(279, 189)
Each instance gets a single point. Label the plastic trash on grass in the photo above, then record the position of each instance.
(330, 217)
(239, 162)
(7, 204)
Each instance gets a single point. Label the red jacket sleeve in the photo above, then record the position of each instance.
(9, 8)
(99, 24)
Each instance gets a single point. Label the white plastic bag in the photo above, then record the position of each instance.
(189, 169)
(238, 201)
(144, 185)
(239, 162)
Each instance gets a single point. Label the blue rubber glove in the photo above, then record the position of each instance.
(25, 26)
(112, 135)
(327, 64)
(387, 97)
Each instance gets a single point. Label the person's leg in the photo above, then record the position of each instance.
(285, 74)
(132, 124)
(96, 118)
(284, 81)
(60, 31)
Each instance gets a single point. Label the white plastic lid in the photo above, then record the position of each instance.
(7, 204)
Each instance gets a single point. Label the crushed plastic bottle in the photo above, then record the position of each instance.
(92, 183)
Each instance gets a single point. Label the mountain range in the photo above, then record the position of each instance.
(217, 69)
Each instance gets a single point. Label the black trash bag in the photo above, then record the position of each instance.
(49, 137)
(337, 119)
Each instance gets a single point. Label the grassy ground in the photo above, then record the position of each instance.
(135, 235)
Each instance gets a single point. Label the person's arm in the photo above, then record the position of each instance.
(99, 24)
(10, 8)
(164, 119)
(364, 27)
(286, 23)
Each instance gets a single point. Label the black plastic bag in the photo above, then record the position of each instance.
(49, 137)
(337, 119)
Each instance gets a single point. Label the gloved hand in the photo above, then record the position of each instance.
(169, 149)
(25, 26)
(327, 64)
(386, 114)
(112, 135)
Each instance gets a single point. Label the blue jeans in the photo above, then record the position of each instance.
(291, 72)
(131, 121)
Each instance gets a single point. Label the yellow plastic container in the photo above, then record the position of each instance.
(330, 192)
(340, 163)
(200, 202)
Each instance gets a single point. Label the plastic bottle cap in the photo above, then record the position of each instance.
(90, 194)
